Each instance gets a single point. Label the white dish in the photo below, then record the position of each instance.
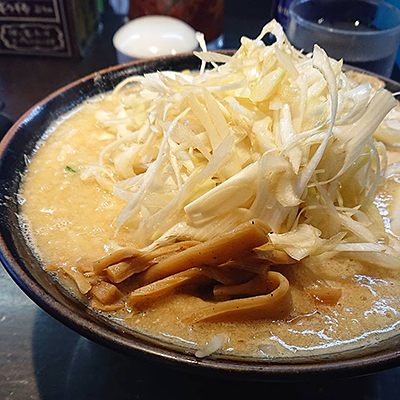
(152, 36)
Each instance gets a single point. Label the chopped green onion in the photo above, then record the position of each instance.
(69, 169)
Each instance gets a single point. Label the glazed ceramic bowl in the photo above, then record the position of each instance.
(25, 269)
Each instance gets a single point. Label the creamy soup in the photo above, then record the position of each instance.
(66, 218)
(230, 209)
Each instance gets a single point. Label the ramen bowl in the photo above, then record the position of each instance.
(20, 262)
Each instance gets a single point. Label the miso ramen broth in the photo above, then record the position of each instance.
(67, 218)
(229, 209)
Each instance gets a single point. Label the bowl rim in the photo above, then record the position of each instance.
(132, 345)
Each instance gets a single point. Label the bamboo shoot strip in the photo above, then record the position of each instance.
(253, 265)
(326, 295)
(167, 285)
(83, 284)
(106, 293)
(114, 258)
(125, 269)
(117, 273)
(228, 275)
(212, 252)
(276, 303)
(253, 287)
(99, 306)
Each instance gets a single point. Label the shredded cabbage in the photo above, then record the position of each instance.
(267, 133)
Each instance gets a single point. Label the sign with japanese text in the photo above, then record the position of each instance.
(34, 27)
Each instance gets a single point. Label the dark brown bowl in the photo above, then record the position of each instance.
(27, 272)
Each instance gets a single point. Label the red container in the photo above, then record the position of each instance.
(205, 16)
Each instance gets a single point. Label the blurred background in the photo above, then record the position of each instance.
(64, 40)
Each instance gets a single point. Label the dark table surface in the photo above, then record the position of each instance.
(42, 359)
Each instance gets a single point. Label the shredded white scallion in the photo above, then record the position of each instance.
(214, 345)
(267, 133)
